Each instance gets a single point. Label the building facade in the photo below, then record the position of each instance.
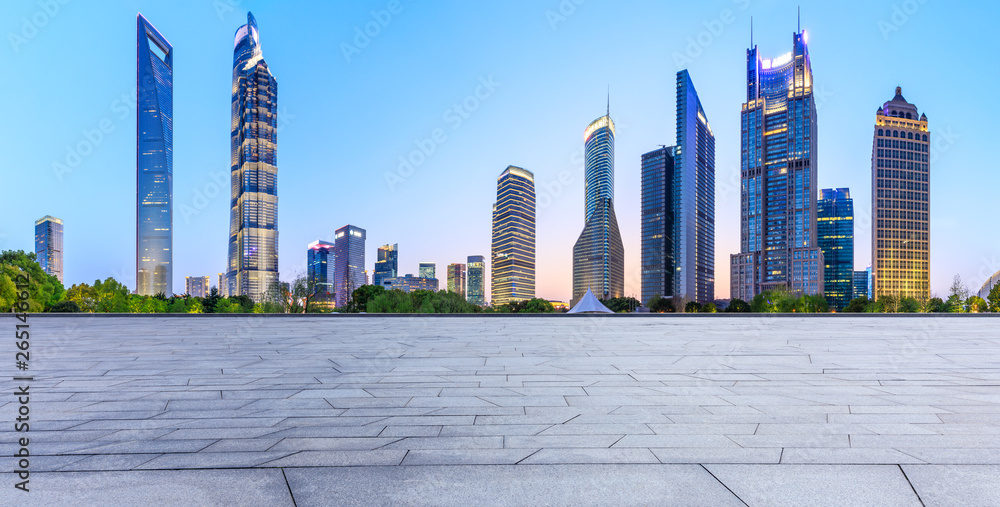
(253, 225)
(410, 283)
(835, 233)
(427, 270)
(456, 278)
(154, 132)
(900, 201)
(984, 291)
(694, 199)
(387, 263)
(599, 255)
(223, 286)
(196, 286)
(778, 176)
(657, 275)
(349, 262)
(49, 245)
(320, 266)
(512, 252)
(860, 285)
(476, 280)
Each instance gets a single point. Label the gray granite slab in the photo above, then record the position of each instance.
(817, 485)
(967, 485)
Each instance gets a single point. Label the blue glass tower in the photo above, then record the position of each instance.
(599, 255)
(387, 264)
(154, 139)
(778, 242)
(320, 261)
(253, 225)
(49, 245)
(694, 196)
(349, 270)
(658, 224)
(835, 232)
(476, 280)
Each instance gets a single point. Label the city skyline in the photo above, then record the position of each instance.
(640, 137)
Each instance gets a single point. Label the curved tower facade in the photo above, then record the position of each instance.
(512, 275)
(598, 255)
(253, 224)
(154, 163)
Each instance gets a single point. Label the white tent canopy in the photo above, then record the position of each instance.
(590, 304)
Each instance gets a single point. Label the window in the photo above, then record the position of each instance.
(925, 138)
(879, 131)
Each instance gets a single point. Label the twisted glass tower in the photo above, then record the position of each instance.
(512, 256)
(253, 224)
(598, 255)
(154, 133)
(778, 248)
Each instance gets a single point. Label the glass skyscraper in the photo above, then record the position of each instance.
(456, 278)
(835, 233)
(778, 249)
(427, 270)
(320, 262)
(253, 224)
(476, 280)
(154, 133)
(512, 253)
(860, 284)
(49, 245)
(599, 255)
(349, 270)
(410, 283)
(196, 286)
(694, 199)
(658, 224)
(387, 264)
(900, 201)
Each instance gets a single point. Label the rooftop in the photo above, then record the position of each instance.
(685, 410)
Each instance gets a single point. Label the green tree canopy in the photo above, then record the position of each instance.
(44, 290)
(738, 306)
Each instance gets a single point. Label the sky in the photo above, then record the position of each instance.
(511, 82)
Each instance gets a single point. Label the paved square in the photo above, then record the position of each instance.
(459, 410)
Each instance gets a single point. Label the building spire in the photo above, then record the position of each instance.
(799, 19)
(608, 114)
(751, 32)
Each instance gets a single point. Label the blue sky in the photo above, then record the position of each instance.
(351, 107)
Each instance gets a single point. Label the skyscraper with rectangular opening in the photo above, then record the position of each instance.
(778, 249)
(154, 161)
(901, 253)
(253, 224)
(512, 254)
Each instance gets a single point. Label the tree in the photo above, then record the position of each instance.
(811, 303)
(658, 304)
(994, 298)
(208, 304)
(65, 307)
(709, 308)
(8, 292)
(84, 296)
(857, 305)
(390, 301)
(976, 304)
(621, 304)
(692, 307)
(360, 297)
(936, 305)
(738, 306)
(44, 290)
(958, 288)
(909, 305)
(765, 302)
(246, 304)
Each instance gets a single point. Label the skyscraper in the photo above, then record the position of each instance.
(349, 270)
(512, 254)
(456, 278)
(253, 224)
(427, 270)
(599, 255)
(223, 286)
(154, 139)
(658, 224)
(196, 286)
(835, 233)
(387, 264)
(778, 249)
(476, 280)
(49, 245)
(320, 263)
(900, 201)
(410, 283)
(860, 284)
(694, 198)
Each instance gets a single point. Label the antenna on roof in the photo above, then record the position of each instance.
(751, 32)
(608, 114)
(799, 19)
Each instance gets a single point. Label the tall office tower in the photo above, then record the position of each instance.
(196, 286)
(512, 253)
(658, 224)
(253, 223)
(349, 262)
(427, 270)
(476, 280)
(49, 245)
(835, 233)
(387, 264)
(694, 198)
(320, 268)
(223, 287)
(154, 139)
(900, 201)
(778, 249)
(598, 255)
(410, 283)
(860, 284)
(456, 279)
